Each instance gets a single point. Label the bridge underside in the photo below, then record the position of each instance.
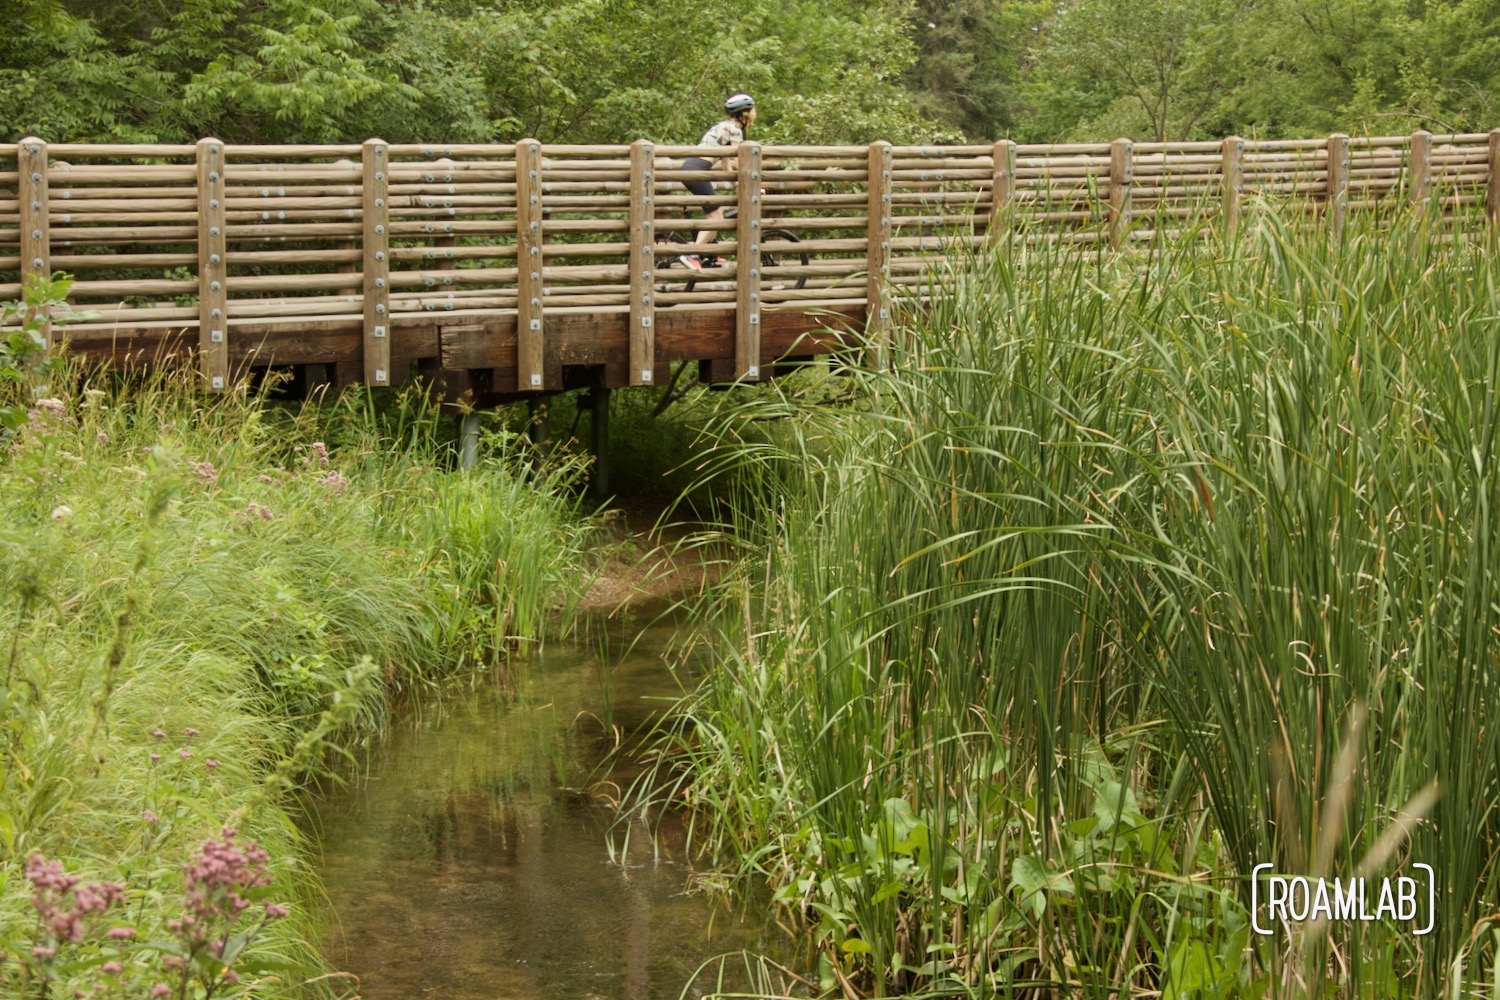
(473, 358)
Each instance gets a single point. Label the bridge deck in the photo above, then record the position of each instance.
(524, 268)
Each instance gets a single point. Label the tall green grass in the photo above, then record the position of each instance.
(272, 577)
(1130, 574)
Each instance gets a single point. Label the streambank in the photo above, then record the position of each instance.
(207, 597)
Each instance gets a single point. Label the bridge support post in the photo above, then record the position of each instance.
(529, 264)
(747, 270)
(1492, 196)
(31, 191)
(1419, 167)
(537, 413)
(642, 262)
(375, 193)
(598, 399)
(468, 440)
(1232, 182)
(213, 272)
(1121, 173)
(1337, 204)
(1002, 190)
(878, 256)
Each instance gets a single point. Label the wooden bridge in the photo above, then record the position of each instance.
(499, 271)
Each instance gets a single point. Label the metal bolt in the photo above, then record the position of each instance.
(213, 203)
(214, 286)
(645, 374)
(217, 381)
(380, 175)
(36, 178)
(380, 374)
(536, 303)
(38, 262)
(380, 331)
(213, 258)
(379, 230)
(379, 309)
(379, 202)
(216, 313)
(536, 326)
(36, 234)
(216, 336)
(379, 282)
(380, 255)
(535, 276)
(213, 175)
(36, 206)
(536, 381)
(645, 321)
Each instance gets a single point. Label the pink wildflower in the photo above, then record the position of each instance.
(191, 732)
(275, 911)
(112, 968)
(160, 990)
(155, 758)
(185, 753)
(210, 763)
(121, 933)
(159, 734)
(205, 470)
(334, 482)
(150, 817)
(257, 510)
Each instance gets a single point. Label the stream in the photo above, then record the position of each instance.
(475, 854)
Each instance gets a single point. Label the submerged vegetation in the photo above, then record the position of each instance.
(204, 597)
(1129, 575)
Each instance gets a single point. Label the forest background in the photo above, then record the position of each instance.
(611, 71)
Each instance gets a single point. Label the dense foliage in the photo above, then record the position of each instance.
(1126, 577)
(846, 70)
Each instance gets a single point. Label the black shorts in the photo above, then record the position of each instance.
(703, 189)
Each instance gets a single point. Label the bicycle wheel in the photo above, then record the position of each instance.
(792, 257)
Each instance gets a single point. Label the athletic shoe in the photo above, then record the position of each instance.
(711, 261)
(691, 261)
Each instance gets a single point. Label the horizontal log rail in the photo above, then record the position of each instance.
(499, 268)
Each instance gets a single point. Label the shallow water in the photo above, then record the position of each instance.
(471, 856)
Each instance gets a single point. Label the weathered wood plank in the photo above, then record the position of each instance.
(376, 264)
(213, 271)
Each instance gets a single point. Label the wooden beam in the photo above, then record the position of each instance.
(1337, 198)
(747, 266)
(376, 220)
(529, 347)
(1232, 182)
(642, 263)
(1120, 176)
(213, 271)
(1492, 196)
(36, 240)
(878, 256)
(1419, 167)
(1002, 190)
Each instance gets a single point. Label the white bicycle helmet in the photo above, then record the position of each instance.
(738, 103)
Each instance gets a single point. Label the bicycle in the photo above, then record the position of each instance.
(766, 259)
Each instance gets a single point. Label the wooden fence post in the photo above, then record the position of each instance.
(375, 191)
(213, 273)
(878, 254)
(1492, 196)
(1338, 182)
(1002, 190)
(1419, 167)
(642, 261)
(1120, 174)
(747, 270)
(1233, 182)
(36, 239)
(529, 265)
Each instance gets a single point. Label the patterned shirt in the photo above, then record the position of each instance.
(726, 133)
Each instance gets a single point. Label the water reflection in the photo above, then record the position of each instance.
(470, 859)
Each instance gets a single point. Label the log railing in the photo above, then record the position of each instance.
(224, 242)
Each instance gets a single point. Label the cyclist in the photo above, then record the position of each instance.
(730, 132)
